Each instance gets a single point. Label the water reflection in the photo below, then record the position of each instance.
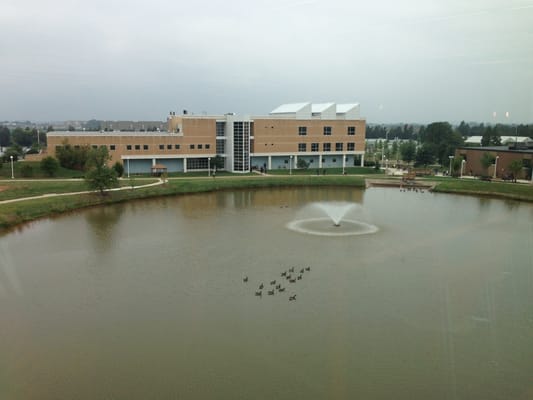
(103, 222)
(434, 305)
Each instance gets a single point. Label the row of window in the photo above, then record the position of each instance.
(302, 130)
(323, 160)
(206, 146)
(302, 147)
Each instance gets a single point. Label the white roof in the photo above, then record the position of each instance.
(321, 107)
(473, 139)
(289, 108)
(344, 108)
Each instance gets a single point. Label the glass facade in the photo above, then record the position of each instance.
(241, 146)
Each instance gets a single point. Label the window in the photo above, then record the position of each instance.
(145, 147)
(302, 146)
(177, 146)
(334, 160)
(302, 130)
(161, 147)
(137, 147)
(169, 147)
(112, 147)
(221, 146)
(200, 147)
(351, 130)
(338, 146)
(327, 130)
(350, 146)
(314, 146)
(128, 147)
(207, 146)
(326, 147)
(191, 146)
(221, 128)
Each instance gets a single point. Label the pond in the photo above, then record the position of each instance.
(148, 299)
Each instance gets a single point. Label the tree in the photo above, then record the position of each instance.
(516, 167)
(408, 151)
(487, 160)
(5, 136)
(99, 176)
(302, 164)
(424, 156)
(456, 166)
(49, 165)
(23, 137)
(217, 162)
(119, 168)
(15, 151)
(491, 137)
(441, 140)
(72, 157)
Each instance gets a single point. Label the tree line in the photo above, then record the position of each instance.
(434, 143)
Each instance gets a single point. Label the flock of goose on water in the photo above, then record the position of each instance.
(411, 188)
(276, 285)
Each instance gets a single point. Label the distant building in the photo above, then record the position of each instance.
(503, 156)
(522, 141)
(323, 135)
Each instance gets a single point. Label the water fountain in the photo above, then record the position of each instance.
(332, 219)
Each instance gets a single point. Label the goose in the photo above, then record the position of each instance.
(291, 269)
(271, 292)
(284, 273)
(282, 289)
(261, 286)
(258, 293)
(292, 280)
(273, 282)
(299, 277)
(308, 268)
(245, 279)
(293, 297)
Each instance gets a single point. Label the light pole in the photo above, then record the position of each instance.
(208, 166)
(128, 167)
(343, 164)
(495, 166)
(450, 170)
(290, 166)
(463, 162)
(386, 166)
(12, 174)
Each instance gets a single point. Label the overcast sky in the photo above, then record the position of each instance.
(402, 60)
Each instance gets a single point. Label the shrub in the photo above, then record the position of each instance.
(119, 168)
(26, 171)
(49, 165)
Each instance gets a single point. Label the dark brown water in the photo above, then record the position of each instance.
(146, 300)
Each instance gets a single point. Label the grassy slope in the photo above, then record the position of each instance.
(17, 189)
(515, 191)
(16, 213)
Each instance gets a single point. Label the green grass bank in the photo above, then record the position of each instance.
(12, 214)
(512, 191)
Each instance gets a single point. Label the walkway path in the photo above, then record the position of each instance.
(43, 196)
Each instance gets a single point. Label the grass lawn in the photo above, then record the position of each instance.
(518, 191)
(20, 188)
(36, 172)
